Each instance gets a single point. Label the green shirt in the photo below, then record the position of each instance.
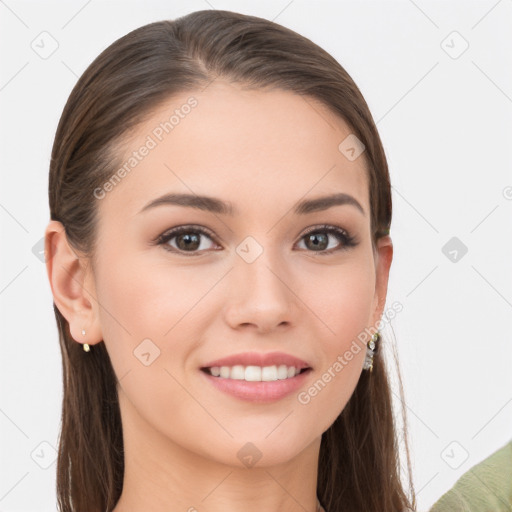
(486, 487)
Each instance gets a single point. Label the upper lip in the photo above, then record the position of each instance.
(259, 359)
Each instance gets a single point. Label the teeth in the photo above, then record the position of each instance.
(254, 373)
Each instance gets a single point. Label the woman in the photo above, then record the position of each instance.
(219, 247)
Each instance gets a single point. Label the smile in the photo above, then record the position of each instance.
(255, 373)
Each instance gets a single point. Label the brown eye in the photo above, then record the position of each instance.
(193, 240)
(189, 239)
(317, 239)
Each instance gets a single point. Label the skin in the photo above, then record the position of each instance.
(263, 151)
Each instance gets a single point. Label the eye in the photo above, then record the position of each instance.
(317, 238)
(188, 239)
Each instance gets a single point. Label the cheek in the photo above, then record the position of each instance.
(341, 303)
(149, 314)
(141, 300)
(138, 312)
(130, 311)
(341, 299)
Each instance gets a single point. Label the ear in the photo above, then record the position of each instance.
(71, 284)
(383, 259)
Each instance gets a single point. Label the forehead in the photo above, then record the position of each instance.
(251, 145)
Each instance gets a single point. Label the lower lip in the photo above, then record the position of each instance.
(262, 392)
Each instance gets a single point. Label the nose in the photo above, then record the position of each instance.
(261, 297)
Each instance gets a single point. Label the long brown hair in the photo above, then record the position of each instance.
(359, 467)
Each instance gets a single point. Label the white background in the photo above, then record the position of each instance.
(446, 125)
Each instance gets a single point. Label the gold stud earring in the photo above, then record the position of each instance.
(85, 345)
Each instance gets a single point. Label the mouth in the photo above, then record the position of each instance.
(252, 373)
(262, 377)
(254, 363)
(257, 384)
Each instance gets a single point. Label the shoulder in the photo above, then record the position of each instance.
(486, 486)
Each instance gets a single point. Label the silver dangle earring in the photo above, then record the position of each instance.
(85, 345)
(370, 351)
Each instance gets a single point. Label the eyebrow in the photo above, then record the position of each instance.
(215, 205)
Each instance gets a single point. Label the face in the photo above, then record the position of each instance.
(263, 278)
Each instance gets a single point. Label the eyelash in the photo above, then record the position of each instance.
(344, 236)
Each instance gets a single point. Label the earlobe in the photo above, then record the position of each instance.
(68, 284)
